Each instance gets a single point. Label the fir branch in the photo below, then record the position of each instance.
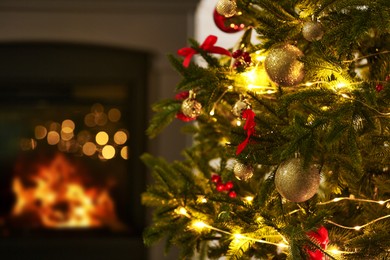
(274, 8)
(238, 247)
(166, 112)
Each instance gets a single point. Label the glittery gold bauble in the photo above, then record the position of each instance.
(190, 107)
(242, 171)
(240, 106)
(283, 67)
(295, 183)
(227, 8)
(312, 31)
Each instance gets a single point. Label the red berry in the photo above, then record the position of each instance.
(229, 185)
(379, 87)
(232, 194)
(220, 187)
(248, 59)
(215, 178)
(237, 64)
(237, 54)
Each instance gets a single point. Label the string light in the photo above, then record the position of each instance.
(182, 211)
(248, 199)
(367, 56)
(380, 202)
(364, 104)
(357, 228)
(212, 111)
(201, 199)
(200, 225)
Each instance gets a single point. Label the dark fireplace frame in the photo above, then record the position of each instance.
(50, 64)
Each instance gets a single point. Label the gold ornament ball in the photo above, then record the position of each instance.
(283, 66)
(191, 108)
(312, 31)
(239, 107)
(227, 8)
(295, 183)
(242, 171)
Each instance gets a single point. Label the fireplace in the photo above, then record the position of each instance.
(72, 121)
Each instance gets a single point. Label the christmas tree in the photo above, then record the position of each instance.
(291, 135)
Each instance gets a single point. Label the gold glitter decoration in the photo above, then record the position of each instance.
(295, 183)
(312, 31)
(190, 107)
(242, 171)
(283, 67)
(227, 8)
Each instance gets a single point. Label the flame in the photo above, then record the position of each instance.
(55, 193)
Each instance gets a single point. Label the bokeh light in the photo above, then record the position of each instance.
(120, 137)
(101, 119)
(53, 138)
(83, 137)
(114, 115)
(89, 120)
(101, 138)
(124, 153)
(40, 132)
(68, 126)
(27, 144)
(66, 136)
(108, 152)
(97, 108)
(89, 148)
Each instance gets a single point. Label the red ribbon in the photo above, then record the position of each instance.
(249, 126)
(321, 237)
(207, 45)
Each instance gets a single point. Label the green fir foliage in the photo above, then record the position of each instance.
(336, 119)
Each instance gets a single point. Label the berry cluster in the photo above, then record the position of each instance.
(222, 187)
(379, 86)
(242, 59)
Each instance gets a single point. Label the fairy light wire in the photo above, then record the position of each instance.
(358, 227)
(200, 224)
(381, 202)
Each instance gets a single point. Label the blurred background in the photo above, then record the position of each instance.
(77, 80)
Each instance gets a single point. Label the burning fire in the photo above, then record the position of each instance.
(57, 196)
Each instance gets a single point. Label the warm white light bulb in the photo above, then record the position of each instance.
(357, 228)
(249, 199)
(199, 225)
(182, 211)
(238, 236)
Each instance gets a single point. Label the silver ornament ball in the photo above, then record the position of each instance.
(239, 107)
(242, 171)
(227, 8)
(312, 31)
(283, 66)
(295, 183)
(191, 108)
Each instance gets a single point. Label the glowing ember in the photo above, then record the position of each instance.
(56, 195)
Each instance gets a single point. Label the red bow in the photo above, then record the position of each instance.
(249, 126)
(207, 45)
(321, 237)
